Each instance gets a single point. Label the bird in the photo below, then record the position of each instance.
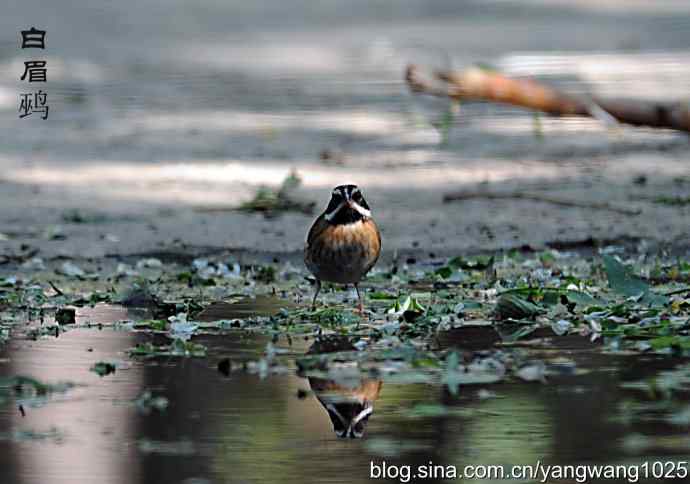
(349, 405)
(344, 242)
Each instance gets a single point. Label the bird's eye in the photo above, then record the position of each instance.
(357, 197)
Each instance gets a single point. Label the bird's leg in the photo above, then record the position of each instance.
(316, 294)
(359, 298)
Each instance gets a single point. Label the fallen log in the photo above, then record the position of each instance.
(486, 85)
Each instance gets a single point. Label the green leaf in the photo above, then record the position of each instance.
(103, 368)
(663, 342)
(623, 281)
(445, 272)
(471, 304)
(520, 333)
(476, 263)
(580, 298)
(409, 304)
(380, 295)
(511, 306)
(153, 324)
(415, 306)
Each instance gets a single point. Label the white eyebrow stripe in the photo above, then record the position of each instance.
(332, 408)
(362, 211)
(364, 413)
(335, 211)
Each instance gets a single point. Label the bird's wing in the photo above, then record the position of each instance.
(377, 248)
(320, 224)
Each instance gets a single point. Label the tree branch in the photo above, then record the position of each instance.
(485, 85)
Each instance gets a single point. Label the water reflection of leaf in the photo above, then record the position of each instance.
(479, 371)
(172, 448)
(103, 368)
(178, 347)
(147, 402)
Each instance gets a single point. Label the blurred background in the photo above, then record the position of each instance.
(160, 109)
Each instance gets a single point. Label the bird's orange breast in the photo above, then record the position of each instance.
(343, 253)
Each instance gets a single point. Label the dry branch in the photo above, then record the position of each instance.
(485, 85)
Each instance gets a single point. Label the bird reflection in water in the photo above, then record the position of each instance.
(349, 403)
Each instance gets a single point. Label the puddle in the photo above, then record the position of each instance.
(244, 308)
(238, 427)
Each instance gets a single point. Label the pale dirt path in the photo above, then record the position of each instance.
(153, 118)
(156, 208)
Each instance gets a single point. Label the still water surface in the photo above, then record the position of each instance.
(240, 428)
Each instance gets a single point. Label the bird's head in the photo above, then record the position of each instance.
(348, 408)
(347, 206)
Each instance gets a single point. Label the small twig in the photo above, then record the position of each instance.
(56, 289)
(452, 197)
(531, 288)
(5, 259)
(677, 291)
(215, 209)
(269, 210)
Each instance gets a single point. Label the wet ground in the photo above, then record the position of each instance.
(217, 425)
